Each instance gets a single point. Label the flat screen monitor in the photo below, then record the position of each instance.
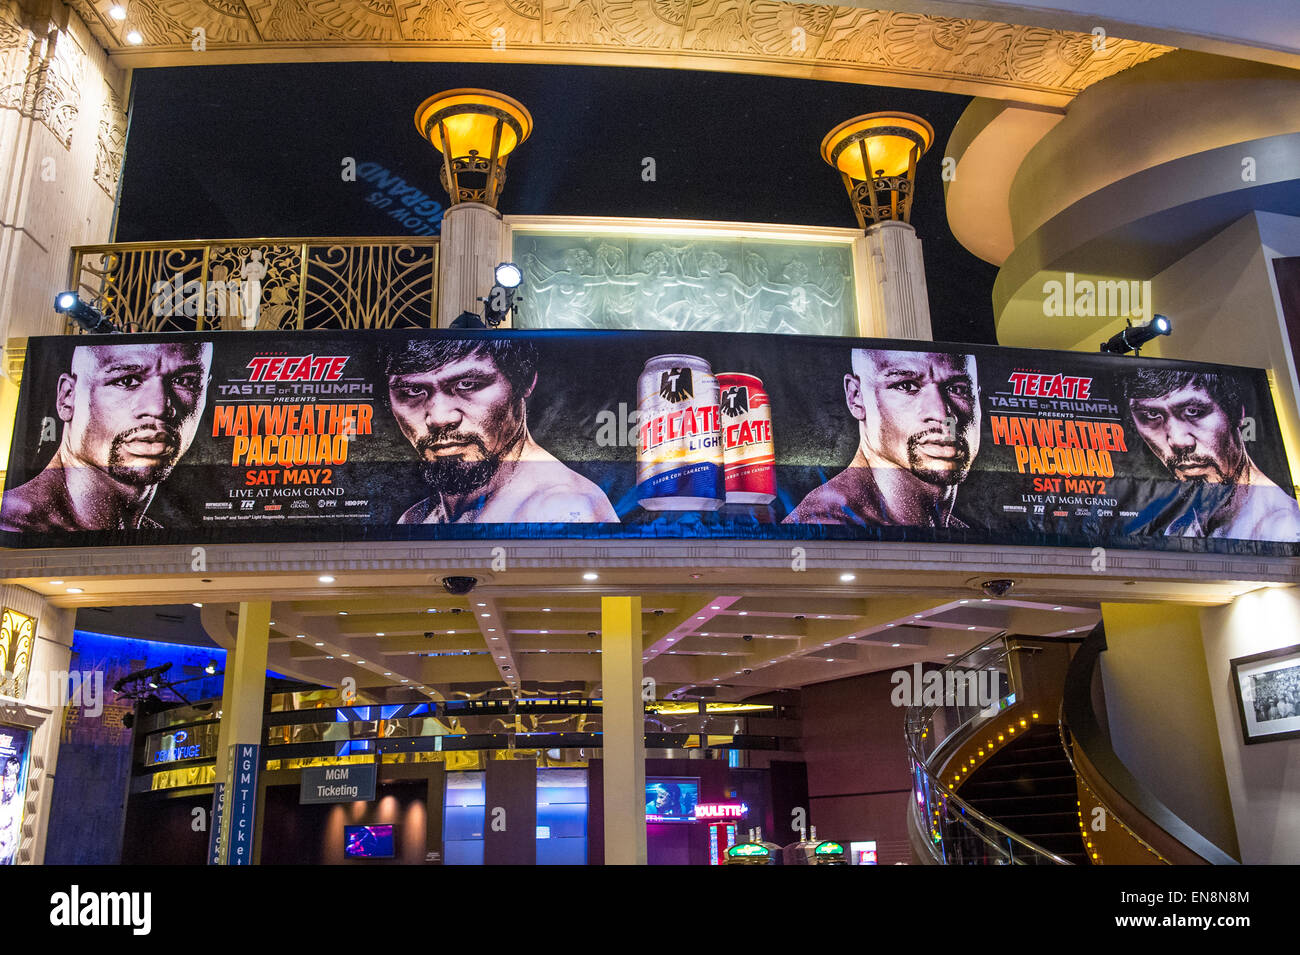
(671, 798)
(368, 842)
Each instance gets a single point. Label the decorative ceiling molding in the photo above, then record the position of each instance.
(915, 50)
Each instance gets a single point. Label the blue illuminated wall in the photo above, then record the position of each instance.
(89, 802)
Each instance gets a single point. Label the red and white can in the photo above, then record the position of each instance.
(749, 456)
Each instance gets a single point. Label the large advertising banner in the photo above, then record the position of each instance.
(409, 435)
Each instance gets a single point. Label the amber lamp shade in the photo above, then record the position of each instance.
(876, 155)
(475, 131)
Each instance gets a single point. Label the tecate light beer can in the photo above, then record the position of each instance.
(679, 454)
(747, 450)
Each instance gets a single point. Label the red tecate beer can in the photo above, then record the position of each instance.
(749, 457)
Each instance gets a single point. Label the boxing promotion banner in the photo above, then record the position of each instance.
(377, 435)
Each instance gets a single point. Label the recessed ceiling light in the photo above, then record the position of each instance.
(889, 625)
(546, 610)
(895, 644)
(345, 655)
(388, 673)
(343, 613)
(485, 615)
(451, 631)
(301, 635)
(482, 604)
(590, 576)
(272, 623)
(325, 579)
(970, 628)
(963, 601)
(847, 578)
(1056, 608)
(380, 633)
(117, 12)
(329, 658)
(56, 583)
(75, 590)
(320, 644)
(744, 613)
(432, 610)
(360, 662)
(715, 607)
(545, 631)
(985, 600)
(406, 681)
(196, 605)
(134, 38)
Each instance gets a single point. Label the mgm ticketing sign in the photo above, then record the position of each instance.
(419, 435)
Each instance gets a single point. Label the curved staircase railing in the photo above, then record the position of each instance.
(945, 829)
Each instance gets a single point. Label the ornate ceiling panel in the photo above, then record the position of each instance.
(961, 55)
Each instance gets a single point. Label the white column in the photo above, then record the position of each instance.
(897, 303)
(468, 251)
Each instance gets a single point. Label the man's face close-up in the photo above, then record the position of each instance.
(919, 411)
(1191, 434)
(461, 417)
(133, 410)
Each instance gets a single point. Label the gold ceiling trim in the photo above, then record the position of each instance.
(773, 37)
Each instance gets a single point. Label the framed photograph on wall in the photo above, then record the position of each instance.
(1268, 694)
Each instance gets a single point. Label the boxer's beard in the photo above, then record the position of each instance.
(1214, 473)
(451, 473)
(941, 477)
(146, 475)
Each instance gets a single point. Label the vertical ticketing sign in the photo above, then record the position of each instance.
(240, 799)
(214, 823)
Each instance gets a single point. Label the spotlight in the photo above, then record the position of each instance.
(84, 314)
(1135, 336)
(508, 275)
(498, 304)
(211, 668)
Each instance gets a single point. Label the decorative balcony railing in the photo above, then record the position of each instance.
(262, 284)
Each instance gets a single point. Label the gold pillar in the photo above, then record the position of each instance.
(242, 702)
(623, 718)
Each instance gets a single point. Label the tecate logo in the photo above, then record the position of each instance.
(272, 507)
(297, 368)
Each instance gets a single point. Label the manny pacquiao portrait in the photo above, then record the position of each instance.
(463, 405)
(129, 413)
(918, 420)
(1192, 421)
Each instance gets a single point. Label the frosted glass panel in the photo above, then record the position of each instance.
(684, 283)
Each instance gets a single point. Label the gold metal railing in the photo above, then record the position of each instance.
(263, 284)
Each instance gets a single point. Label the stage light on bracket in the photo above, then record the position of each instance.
(1132, 338)
(88, 317)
